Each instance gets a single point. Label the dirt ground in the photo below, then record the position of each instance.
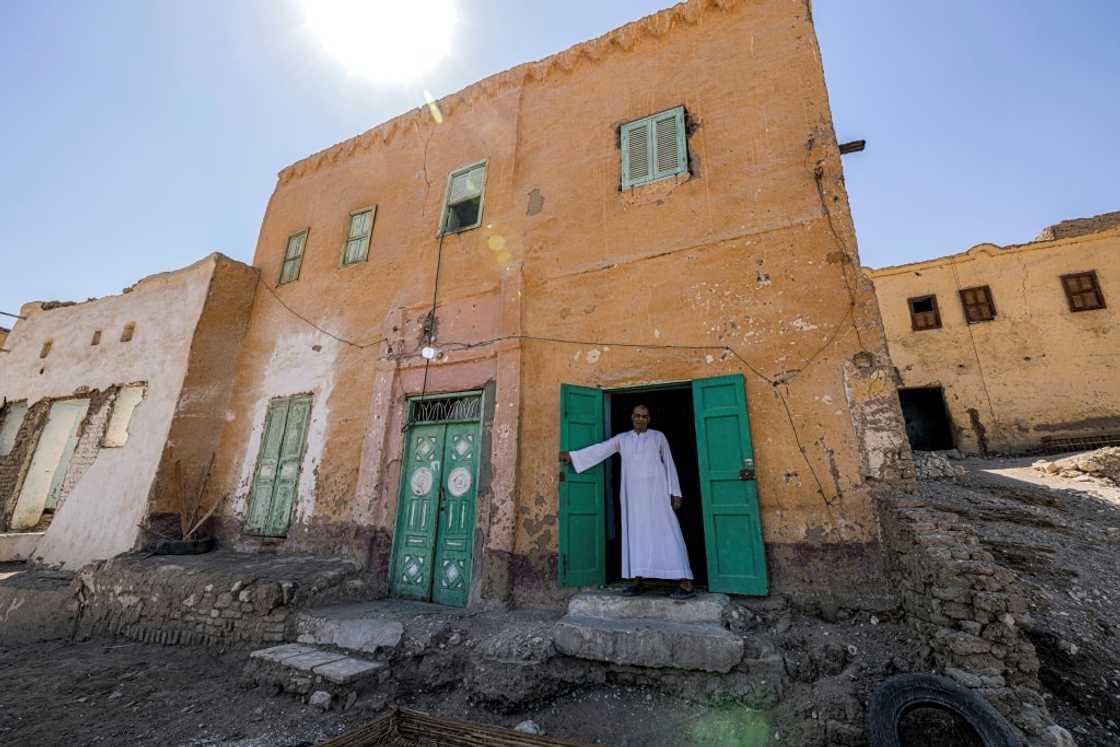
(1062, 538)
(115, 693)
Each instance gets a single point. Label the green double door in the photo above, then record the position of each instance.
(435, 513)
(276, 480)
(733, 544)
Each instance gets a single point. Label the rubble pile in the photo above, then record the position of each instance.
(1102, 463)
(934, 465)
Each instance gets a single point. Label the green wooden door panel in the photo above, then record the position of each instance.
(417, 510)
(583, 538)
(288, 467)
(264, 480)
(452, 569)
(732, 527)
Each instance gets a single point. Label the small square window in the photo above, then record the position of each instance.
(654, 148)
(924, 313)
(978, 304)
(463, 206)
(357, 236)
(96, 339)
(1083, 291)
(293, 257)
(128, 331)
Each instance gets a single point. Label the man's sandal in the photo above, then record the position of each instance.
(633, 590)
(681, 594)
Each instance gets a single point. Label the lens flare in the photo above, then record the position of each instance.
(386, 40)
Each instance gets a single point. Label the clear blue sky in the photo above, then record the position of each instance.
(139, 136)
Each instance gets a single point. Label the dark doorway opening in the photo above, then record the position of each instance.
(927, 421)
(670, 409)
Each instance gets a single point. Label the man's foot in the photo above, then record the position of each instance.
(633, 590)
(681, 593)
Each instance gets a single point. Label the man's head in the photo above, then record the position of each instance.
(639, 416)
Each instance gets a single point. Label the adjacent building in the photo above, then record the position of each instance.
(1013, 348)
(449, 299)
(101, 399)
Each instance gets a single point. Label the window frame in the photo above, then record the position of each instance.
(989, 301)
(936, 312)
(1092, 275)
(368, 236)
(284, 259)
(654, 173)
(445, 213)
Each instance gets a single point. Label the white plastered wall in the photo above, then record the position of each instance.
(101, 516)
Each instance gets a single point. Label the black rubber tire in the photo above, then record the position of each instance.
(902, 693)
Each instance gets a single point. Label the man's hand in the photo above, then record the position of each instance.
(676, 502)
(565, 457)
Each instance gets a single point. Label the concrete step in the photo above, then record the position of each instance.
(703, 609)
(302, 669)
(15, 546)
(640, 642)
(367, 627)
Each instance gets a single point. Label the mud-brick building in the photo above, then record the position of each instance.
(657, 215)
(1012, 348)
(101, 398)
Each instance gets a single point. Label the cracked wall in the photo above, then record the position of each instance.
(1035, 373)
(753, 251)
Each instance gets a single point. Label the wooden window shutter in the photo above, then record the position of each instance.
(1083, 292)
(358, 236)
(654, 147)
(978, 304)
(293, 257)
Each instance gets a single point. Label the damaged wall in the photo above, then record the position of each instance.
(104, 490)
(753, 250)
(1038, 371)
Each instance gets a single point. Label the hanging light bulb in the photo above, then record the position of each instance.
(428, 352)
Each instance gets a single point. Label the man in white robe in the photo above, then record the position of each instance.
(652, 543)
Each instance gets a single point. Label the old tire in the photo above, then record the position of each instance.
(182, 547)
(903, 693)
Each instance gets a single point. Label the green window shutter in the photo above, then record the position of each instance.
(670, 149)
(654, 148)
(358, 236)
(264, 481)
(288, 467)
(293, 257)
(637, 163)
(732, 522)
(583, 533)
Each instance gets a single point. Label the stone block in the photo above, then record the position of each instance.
(702, 609)
(349, 670)
(309, 661)
(649, 643)
(277, 654)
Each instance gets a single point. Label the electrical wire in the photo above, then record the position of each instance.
(305, 320)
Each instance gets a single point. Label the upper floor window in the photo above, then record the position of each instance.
(924, 313)
(357, 236)
(978, 304)
(462, 208)
(1083, 291)
(654, 148)
(293, 257)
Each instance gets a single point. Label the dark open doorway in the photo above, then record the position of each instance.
(671, 413)
(927, 421)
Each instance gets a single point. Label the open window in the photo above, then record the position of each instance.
(924, 313)
(462, 208)
(293, 257)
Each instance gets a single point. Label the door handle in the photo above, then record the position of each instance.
(746, 474)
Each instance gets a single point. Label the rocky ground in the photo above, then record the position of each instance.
(1061, 536)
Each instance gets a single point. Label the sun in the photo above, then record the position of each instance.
(389, 41)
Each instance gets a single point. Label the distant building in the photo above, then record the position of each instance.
(99, 399)
(1014, 348)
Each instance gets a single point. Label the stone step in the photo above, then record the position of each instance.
(702, 609)
(302, 669)
(640, 642)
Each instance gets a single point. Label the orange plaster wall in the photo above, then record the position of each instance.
(741, 252)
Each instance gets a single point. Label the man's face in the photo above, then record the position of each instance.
(640, 418)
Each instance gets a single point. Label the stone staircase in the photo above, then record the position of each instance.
(650, 631)
(301, 669)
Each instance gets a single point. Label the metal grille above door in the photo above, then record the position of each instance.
(445, 409)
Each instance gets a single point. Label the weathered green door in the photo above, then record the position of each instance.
(732, 523)
(276, 481)
(583, 538)
(433, 551)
